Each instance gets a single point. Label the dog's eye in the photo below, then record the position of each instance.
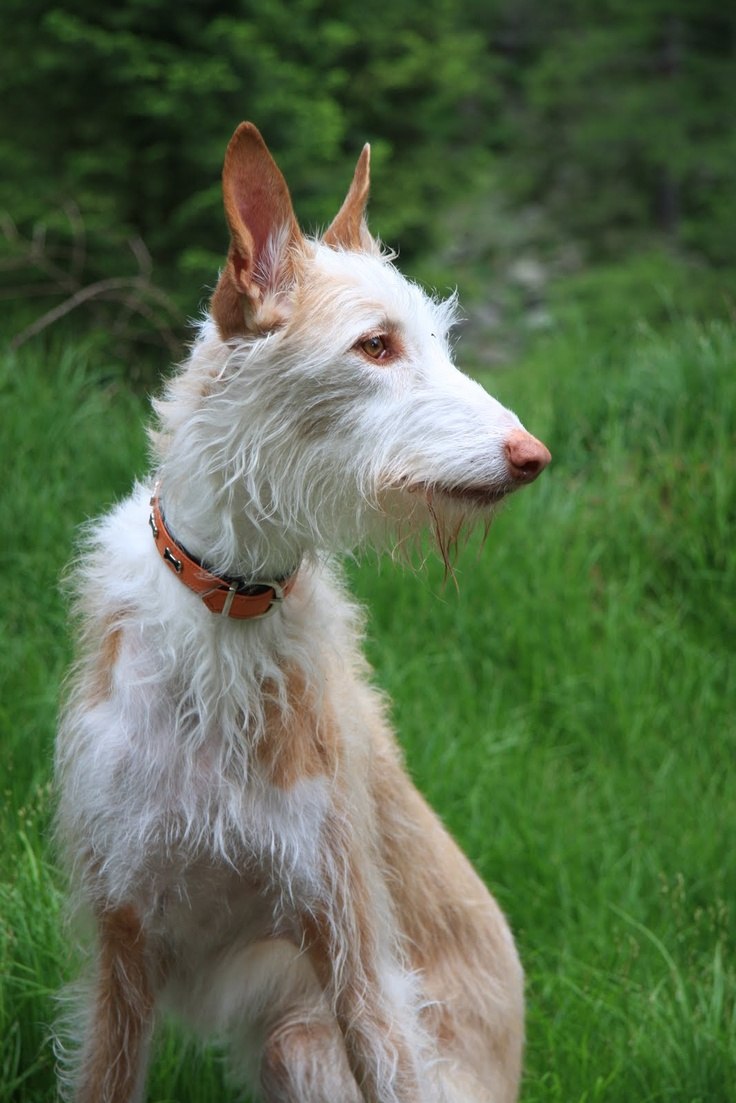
(375, 347)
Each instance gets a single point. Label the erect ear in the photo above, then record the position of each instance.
(263, 230)
(348, 229)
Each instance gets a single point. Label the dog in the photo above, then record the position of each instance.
(233, 806)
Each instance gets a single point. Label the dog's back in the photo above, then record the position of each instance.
(233, 804)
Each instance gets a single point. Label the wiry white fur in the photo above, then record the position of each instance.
(283, 469)
(271, 451)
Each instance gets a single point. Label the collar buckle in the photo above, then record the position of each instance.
(234, 598)
(277, 597)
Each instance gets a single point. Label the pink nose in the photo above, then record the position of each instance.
(527, 456)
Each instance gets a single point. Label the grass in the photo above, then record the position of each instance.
(569, 709)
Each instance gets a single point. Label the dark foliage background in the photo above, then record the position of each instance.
(590, 131)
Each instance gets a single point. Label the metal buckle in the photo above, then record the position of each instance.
(169, 557)
(275, 587)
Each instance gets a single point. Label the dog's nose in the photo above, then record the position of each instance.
(527, 456)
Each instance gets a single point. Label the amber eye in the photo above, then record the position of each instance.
(375, 347)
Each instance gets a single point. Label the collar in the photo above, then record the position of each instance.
(231, 596)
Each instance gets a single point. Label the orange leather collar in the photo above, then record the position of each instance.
(231, 597)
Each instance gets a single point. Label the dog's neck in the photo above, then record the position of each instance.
(225, 534)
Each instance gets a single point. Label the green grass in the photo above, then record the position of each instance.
(570, 709)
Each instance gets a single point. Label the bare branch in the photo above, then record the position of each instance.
(134, 296)
(92, 291)
(79, 236)
(9, 228)
(139, 250)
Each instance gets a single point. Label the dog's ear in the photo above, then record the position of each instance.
(263, 234)
(348, 229)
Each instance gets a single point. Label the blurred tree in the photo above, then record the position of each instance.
(621, 117)
(127, 109)
(615, 118)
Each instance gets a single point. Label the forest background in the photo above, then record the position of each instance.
(564, 133)
(570, 165)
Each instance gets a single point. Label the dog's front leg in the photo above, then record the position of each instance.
(351, 937)
(120, 1016)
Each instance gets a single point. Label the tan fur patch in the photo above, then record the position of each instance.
(456, 934)
(348, 229)
(346, 934)
(122, 1013)
(100, 685)
(301, 742)
(307, 1060)
(343, 932)
(226, 307)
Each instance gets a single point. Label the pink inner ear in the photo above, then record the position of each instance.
(241, 267)
(257, 215)
(257, 205)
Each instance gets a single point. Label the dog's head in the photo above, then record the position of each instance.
(337, 399)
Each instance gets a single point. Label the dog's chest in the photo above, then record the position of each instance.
(211, 745)
(201, 908)
(158, 821)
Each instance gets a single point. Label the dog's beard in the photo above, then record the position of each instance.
(418, 519)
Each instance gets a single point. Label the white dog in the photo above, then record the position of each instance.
(233, 804)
